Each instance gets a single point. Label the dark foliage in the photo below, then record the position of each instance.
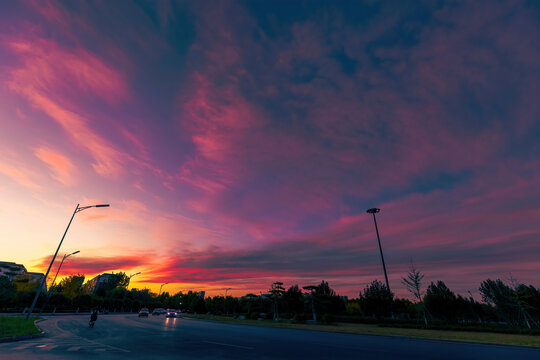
(7, 292)
(376, 300)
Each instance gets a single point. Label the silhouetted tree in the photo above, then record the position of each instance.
(405, 307)
(84, 302)
(413, 284)
(440, 301)
(70, 286)
(294, 299)
(509, 305)
(311, 293)
(60, 301)
(276, 292)
(529, 298)
(328, 302)
(248, 301)
(7, 292)
(375, 300)
(199, 306)
(353, 307)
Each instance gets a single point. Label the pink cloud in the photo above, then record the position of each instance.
(61, 166)
(13, 166)
(90, 266)
(18, 175)
(41, 79)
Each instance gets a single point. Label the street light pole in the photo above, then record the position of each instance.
(132, 275)
(373, 211)
(161, 287)
(49, 293)
(57, 271)
(77, 209)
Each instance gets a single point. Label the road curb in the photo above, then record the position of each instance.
(25, 337)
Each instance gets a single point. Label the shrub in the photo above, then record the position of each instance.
(254, 315)
(268, 316)
(327, 319)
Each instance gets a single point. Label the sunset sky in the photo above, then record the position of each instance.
(240, 143)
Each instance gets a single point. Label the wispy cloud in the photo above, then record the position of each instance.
(61, 166)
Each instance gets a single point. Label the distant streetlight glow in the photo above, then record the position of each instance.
(38, 291)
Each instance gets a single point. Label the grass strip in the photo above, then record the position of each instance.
(17, 326)
(371, 329)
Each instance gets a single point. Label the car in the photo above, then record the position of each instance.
(143, 312)
(171, 314)
(159, 311)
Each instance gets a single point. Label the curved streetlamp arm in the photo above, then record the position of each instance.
(91, 206)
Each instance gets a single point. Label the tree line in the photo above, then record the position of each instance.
(509, 304)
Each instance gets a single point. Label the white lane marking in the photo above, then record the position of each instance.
(72, 338)
(40, 346)
(23, 346)
(231, 345)
(107, 346)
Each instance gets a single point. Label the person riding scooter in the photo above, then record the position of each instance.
(93, 318)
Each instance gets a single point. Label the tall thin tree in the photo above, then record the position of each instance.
(413, 284)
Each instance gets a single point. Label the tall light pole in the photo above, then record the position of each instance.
(132, 275)
(227, 289)
(57, 271)
(161, 287)
(373, 211)
(77, 209)
(49, 293)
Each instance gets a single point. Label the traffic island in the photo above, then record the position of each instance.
(16, 328)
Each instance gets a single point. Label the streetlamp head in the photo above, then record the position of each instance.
(76, 252)
(102, 205)
(373, 210)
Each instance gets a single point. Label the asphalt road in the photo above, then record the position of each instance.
(128, 337)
